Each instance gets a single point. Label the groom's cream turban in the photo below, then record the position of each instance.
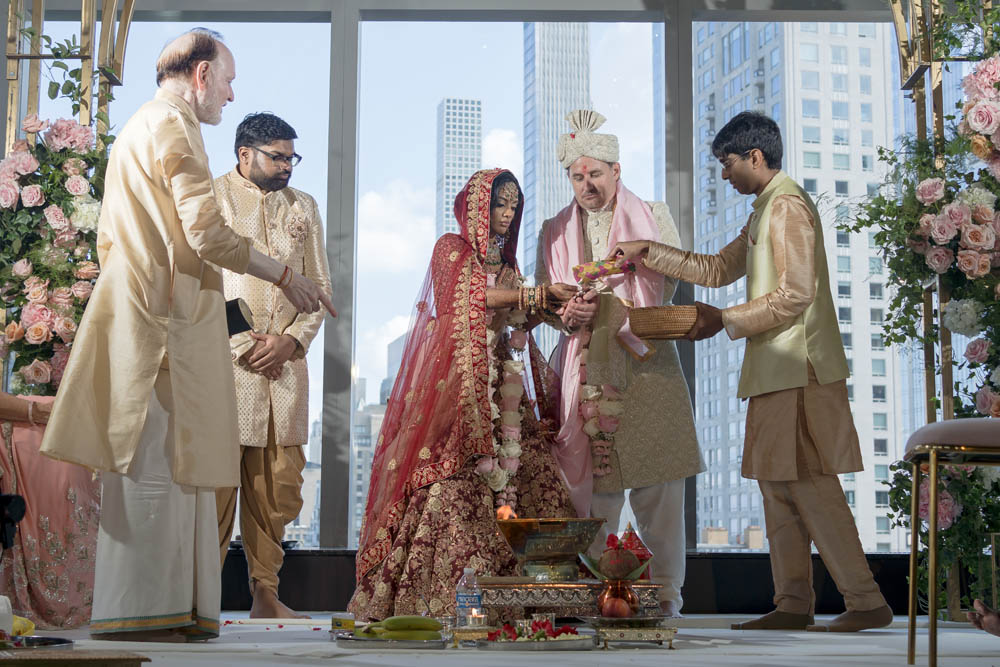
(583, 141)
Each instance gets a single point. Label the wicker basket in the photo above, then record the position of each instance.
(662, 322)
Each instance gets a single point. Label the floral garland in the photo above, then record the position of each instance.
(505, 407)
(601, 408)
(49, 209)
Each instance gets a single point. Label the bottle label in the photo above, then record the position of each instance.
(468, 601)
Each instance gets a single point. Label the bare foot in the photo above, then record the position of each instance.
(267, 605)
(985, 618)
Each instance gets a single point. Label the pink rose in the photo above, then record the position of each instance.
(82, 249)
(977, 237)
(65, 238)
(610, 392)
(38, 294)
(32, 125)
(34, 313)
(22, 162)
(939, 258)
(485, 465)
(926, 224)
(948, 508)
(9, 194)
(981, 213)
(994, 166)
(61, 297)
(944, 229)
(510, 432)
(69, 134)
(58, 361)
(20, 145)
(510, 464)
(977, 350)
(32, 195)
(518, 339)
(980, 84)
(87, 271)
(985, 265)
(588, 409)
(608, 424)
(37, 372)
(14, 332)
(985, 399)
(82, 289)
(74, 167)
(65, 328)
(984, 117)
(37, 334)
(31, 282)
(969, 263)
(918, 246)
(958, 213)
(56, 218)
(22, 268)
(930, 190)
(77, 185)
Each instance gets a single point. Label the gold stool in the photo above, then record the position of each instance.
(974, 441)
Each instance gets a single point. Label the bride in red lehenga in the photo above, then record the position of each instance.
(452, 446)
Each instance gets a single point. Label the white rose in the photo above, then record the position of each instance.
(610, 408)
(497, 478)
(995, 377)
(86, 213)
(590, 392)
(513, 366)
(510, 449)
(977, 195)
(962, 316)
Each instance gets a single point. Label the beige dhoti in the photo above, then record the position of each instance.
(270, 497)
(811, 508)
(156, 546)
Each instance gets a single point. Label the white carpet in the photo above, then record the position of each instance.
(702, 641)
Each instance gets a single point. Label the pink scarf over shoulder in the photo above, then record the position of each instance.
(632, 221)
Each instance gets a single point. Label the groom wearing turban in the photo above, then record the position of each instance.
(600, 361)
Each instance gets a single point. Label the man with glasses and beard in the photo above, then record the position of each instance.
(272, 385)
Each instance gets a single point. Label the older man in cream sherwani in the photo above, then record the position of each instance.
(272, 382)
(148, 392)
(655, 448)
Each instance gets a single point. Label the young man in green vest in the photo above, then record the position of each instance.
(800, 433)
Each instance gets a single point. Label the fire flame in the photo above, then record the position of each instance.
(505, 512)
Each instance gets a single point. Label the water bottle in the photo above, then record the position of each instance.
(468, 599)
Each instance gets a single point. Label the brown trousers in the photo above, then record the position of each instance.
(813, 508)
(270, 496)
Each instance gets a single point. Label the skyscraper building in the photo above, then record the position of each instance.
(824, 85)
(556, 81)
(459, 154)
(659, 115)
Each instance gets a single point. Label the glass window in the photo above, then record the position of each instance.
(849, 497)
(878, 315)
(882, 525)
(810, 53)
(875, 266)
(841, 136)
(810, 134)
(846, 340)
(881, 469)
(867, 139)
(865, 84)
(838, 29)
(878, 367)
(865, 56)
(776, 84)
(840, 187)
(843, 288)
(875, 290)
(775, 58)
(844, 314)
(877, 343)
(838, 82)
(866, 30)
(809, 27)
(810, 108)
(866, 112)
(838, 55)
(842, 161)
(809, 185)
(850, 391)
(810, 159)
(840, 110)
(843, 239)
(872, 188)
(881, 499)
(880, 446)
(878, 393)
(867, 163)
(844, 263)
(810, 80)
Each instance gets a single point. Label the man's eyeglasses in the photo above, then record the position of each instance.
(728, 164)
(291, 160)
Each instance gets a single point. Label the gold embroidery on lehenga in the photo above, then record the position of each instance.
(425, 453)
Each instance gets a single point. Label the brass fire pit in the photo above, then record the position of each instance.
(547, 548)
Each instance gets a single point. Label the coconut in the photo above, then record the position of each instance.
(617, 563)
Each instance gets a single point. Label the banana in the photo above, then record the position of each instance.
(411, 623)
(410, 634)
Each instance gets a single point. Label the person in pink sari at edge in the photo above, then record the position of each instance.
(459, 437)
(49, 573)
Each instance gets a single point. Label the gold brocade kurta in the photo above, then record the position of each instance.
(657, 441)
(284, 224)
(160, 237)
(769, 447)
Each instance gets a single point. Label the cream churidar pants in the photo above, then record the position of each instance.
(157, 558)
(659, 513)
(270, 497)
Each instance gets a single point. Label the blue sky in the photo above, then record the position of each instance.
(284, 68)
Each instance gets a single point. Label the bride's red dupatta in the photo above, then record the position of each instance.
(438, 415)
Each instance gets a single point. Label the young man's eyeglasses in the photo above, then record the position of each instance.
(290, 160)
(728, 164)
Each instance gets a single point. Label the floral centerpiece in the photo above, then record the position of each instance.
(539, 630)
